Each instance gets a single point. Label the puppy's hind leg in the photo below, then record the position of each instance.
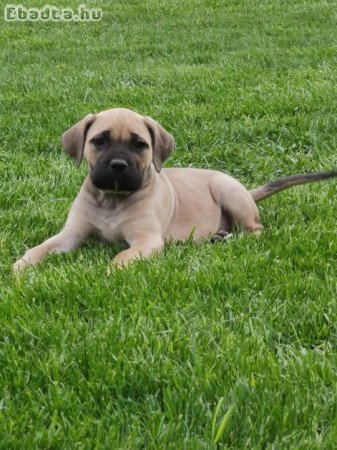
(236, 203)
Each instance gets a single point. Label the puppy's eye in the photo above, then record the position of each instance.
(99, 141)
(140, 145)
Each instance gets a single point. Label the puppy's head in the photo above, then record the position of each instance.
(119, 146)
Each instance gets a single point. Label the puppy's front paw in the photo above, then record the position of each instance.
(19, 265)
(117, 263)
(121, 260)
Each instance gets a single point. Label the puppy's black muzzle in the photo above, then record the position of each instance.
(116, 173)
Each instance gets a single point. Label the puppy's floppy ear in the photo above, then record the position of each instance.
(73, 140)
(162, 142)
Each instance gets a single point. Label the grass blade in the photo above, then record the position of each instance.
(217, 409)
(224, 424)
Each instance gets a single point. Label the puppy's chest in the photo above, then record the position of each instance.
(108, 224)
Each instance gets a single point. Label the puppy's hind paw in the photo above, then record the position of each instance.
(221, 236)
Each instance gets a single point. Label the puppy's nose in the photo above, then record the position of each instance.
(118, 164)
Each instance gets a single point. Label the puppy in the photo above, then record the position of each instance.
(127, 197)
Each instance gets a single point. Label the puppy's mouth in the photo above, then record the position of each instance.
(115, 190)
(116, 183)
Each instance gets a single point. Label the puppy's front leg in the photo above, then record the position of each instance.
(68, 239)
(142, 245)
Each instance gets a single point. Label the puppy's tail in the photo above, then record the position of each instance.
(262, 192)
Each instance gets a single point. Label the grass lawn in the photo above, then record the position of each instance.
(232, 343)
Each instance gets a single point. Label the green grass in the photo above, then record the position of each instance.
(155, 356)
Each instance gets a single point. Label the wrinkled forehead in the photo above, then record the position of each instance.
(121, 123)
